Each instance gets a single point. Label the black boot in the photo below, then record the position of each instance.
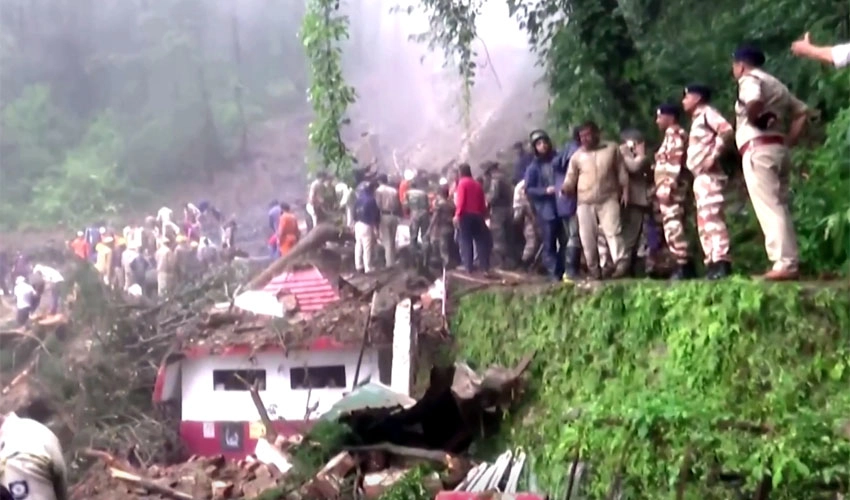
(711, 271)
(573, 263)
(722, 269)
(684, 272)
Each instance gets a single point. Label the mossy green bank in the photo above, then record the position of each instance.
(683, 391)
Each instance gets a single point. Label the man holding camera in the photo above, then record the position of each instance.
(765, 108)
(638, 163)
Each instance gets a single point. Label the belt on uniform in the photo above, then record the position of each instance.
(761, 141)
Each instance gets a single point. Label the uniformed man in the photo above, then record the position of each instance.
(441, 231)
(319, 194)
(417, 205)
(709, 136)
(597, 176)
(499, 197)
(633, 149)
(764, 109)
(387, 197)
(671, 187)
(524, 221)
(31, 463)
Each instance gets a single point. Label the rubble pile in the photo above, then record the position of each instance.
(381, 446)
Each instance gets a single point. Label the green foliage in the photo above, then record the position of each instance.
(104, 103)
(321, 33)
(411, 486)
(669, 386)
(822, 213)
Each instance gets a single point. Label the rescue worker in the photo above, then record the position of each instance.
(541, 190)
(149, 236)
(441, 230)
(837, 55)
(634, 215)
(163, 217)
(5, 268)
(80, 246)
(525, 223)
(671, 187)
(597, 176)
(345, 198)
(127, 258)
(207, 252)
(288, 232)
(708, 137)
(53, 281)
(24, 300)
(566, 208)
(103, 264)
(499, 197)
(118, 247)
(416, 204)
(474, 236)
(367, 222)
(166, 268)
(764, 109)
(31, 462)
(403, 186)
(388, 202)
(183, 254)
(228, 234)
(317, 199)
(523, 160)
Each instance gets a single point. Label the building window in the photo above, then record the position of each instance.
(234, 380)
(318, 377)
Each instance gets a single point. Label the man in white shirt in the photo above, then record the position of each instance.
(24, 299)
(837, 55)
(52, 279)
(31, 462)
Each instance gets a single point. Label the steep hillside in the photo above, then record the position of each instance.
(688, 391)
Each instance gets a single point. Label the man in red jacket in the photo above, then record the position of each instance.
(469, 218)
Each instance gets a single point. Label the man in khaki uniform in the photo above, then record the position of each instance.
(633, 150)
(763, 109)
(31, 462)
(597, 176)
(387, 197)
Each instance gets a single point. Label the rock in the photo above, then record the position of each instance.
(221, 490)
(376, 483)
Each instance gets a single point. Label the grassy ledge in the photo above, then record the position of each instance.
(681, 391)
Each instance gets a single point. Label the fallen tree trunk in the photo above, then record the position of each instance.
(311, 242)
(149, 485)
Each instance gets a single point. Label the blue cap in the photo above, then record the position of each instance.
(669, 110)
(704, 91)
(750, 54)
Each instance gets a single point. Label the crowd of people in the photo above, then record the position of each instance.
(605, 208)
(145, 260)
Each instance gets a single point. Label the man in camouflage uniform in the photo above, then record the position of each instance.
(671, 187)
(524, 221)
(499, 197)
(707, 139)
(387, 197)
(763, 109)
(417, 205)
(441, 230)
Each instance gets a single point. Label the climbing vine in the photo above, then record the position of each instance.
(322, 31)
(452, 29)
(691, 391)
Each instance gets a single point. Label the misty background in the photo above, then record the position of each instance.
(111, 107)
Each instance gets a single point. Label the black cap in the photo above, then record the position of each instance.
(669, 110)
(749, 54)
(703, 91)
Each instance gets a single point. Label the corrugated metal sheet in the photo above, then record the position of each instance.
(311, 289)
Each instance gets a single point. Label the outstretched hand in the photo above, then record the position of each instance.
(801, 46)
